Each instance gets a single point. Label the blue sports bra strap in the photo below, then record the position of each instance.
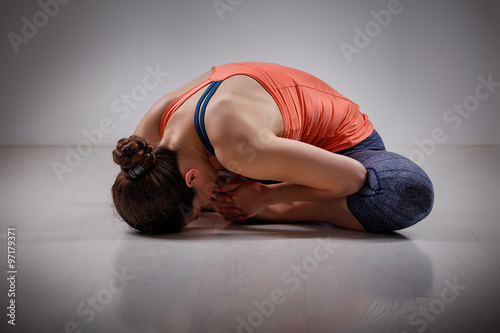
(204, 107)
(199, 115)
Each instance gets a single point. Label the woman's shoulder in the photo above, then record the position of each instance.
(153, 123)
(193, 83)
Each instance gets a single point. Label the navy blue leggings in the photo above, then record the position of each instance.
(397, 193)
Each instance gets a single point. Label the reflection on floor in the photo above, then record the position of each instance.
(80, 269)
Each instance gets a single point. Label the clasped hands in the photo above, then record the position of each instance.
(237, 200)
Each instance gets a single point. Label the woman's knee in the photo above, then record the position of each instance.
(397, 195)
(413, 200)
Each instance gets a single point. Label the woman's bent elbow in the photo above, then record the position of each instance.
(356, 181)
(359, 181)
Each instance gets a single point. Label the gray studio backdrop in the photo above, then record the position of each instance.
(75, 71)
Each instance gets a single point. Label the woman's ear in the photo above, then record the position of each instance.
(191, 177)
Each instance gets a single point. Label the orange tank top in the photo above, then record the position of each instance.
(312, 111)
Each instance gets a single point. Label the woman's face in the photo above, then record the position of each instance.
(204, 185)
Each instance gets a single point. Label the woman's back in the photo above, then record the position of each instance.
(311, 111)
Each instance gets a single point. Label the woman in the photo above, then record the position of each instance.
(270, 122)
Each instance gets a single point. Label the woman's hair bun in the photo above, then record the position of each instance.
(134, 150)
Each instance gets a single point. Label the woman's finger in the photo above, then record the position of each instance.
(238, 218)
(229, 213)
(229, 186)
(221, 197)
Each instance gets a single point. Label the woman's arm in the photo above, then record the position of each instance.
(246, 144)
(149, 125)
(308, 172)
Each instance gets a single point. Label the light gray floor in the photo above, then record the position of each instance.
(79, 269)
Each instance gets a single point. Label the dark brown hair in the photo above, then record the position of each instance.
(157, 200)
